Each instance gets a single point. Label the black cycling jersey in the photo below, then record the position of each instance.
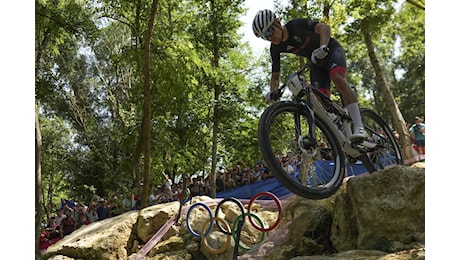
(302, 41)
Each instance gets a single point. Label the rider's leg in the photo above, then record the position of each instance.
(338, 76)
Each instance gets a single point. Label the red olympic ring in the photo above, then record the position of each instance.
(228, 230)
(278, 204)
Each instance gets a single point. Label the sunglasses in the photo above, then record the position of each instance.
(268, 33)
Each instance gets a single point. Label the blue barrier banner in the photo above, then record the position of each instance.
(274, 186)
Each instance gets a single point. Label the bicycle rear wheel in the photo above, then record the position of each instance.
(387, 152)
(283, 132)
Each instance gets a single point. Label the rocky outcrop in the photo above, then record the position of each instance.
(383, 212)
(376, 216)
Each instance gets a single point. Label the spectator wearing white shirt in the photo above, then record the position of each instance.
(287, 167)
(256, 174)
(60, 216)
(168, 187)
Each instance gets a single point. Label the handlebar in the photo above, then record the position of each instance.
(277, 93)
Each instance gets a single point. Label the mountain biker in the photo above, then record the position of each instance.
(311, 39)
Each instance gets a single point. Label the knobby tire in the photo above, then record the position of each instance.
(321, 174)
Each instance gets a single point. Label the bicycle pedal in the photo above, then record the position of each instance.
(362, 144)
(369, 144)
(357, 141)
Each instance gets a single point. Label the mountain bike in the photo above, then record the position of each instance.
(314, 130)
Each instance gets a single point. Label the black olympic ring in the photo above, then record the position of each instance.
(237, 202)
(235, 230)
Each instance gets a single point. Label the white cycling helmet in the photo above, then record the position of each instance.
(262, 21)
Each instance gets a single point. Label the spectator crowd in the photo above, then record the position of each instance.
(70, 216)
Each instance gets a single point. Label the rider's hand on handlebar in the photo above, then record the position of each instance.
(320, 53)
(272, 96)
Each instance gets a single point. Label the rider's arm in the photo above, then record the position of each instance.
(276, 67)
(324, 32)
(275, 81)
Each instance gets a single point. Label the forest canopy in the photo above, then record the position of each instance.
(125, 90)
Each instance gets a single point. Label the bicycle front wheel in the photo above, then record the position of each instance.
(283, 134)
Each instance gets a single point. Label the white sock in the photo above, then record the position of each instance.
(353, 111)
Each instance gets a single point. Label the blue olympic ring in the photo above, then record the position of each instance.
(188, 216)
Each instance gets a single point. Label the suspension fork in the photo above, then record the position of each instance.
(309, 142)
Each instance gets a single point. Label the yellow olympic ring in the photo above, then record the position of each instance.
(204, 243)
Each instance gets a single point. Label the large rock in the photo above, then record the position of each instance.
(151, 219)
(382, 211)
(106, 240)
(377, 216)
(367, 218)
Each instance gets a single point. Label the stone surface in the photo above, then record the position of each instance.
(377, 216)
(383, 211)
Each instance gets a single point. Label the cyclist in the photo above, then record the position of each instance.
(313, 40)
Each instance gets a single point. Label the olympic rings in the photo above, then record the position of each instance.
(205, 243)
(188, 222)
(236, 222)
(278, 204)
(240, 205)
(235, 231)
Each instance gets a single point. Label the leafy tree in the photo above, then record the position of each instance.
(370, 18)
(54, 29)
(215, 30)
(410, 87)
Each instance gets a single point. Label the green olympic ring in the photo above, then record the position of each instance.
(232, 232)
(236, 222)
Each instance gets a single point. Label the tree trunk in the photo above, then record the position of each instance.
(399, 123)
(215, 133)
(215, 128)
(38, 185)
(418, 5)
(147, 105)
(38, 145)
(137, 160)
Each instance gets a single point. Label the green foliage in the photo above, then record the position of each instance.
(410, 87)
(90, 93)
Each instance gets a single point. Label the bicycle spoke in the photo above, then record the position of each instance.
(387, 153)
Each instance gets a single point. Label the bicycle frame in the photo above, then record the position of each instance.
(315, 101)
